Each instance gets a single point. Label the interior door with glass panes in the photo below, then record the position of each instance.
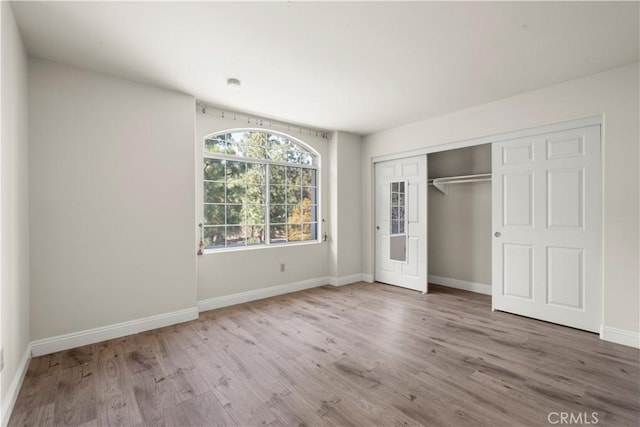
(401, 222)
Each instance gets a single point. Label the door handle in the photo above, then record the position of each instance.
(377, 227)
(497, 234)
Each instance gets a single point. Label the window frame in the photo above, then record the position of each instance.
(316, 165)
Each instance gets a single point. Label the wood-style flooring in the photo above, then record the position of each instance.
(363, 354)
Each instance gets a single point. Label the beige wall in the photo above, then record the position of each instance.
(222, 273)
(346, 202)
(460, 221)
(14, 265)
(614, 94)
(334, 190)
(112, 200)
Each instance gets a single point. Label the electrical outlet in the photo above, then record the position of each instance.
(281, 267)
(1, 359)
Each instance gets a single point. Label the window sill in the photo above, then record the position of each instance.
(259, 247)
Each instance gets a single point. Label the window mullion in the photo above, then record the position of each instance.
(221, 156)
(267, 208)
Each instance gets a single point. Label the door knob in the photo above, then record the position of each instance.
(497, 234)
(377, 227)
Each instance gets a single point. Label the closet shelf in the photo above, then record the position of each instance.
(442, 184)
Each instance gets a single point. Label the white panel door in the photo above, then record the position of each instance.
(401, 222)
(547, 223)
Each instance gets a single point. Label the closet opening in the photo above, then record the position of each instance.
(459, 218)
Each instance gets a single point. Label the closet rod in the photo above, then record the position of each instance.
(442, 183)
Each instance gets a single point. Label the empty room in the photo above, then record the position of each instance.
(320, 213)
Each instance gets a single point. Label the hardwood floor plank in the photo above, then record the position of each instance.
(75, 401)
(206, 410)
(239, 401)
(36, 399)
(114, 389)
(34, 416)
(156, 402)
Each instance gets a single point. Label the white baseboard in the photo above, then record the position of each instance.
(620, 336)
(345, 280)
(14, 388)
(271, 291)
(366, 277)
(91, 336)
(480, 288)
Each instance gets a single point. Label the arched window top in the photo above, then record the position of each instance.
(259, 144)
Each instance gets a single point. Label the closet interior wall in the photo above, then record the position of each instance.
(459, 233)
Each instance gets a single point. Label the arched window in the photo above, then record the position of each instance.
(260, 188)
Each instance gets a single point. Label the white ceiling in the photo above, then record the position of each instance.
(358, 67)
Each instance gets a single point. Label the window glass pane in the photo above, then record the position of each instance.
(235, 136)
(304, 210)
(255, 173)
(214, 214)
(256, 144)
(294, 214)
(306, 193)
(278, 233)
(277, 174)
(235, 214)
(214, 170)
(314, 213)
(277, 194)
(294, 232)
(236, 148)
(215, 144)
(214, 236)
(255, 194)
(294, 176)
(306, 158)
(254, 214)
(214, 192)
(235, 236)
(308, 177)
(277, 148)
(394, 213)
(295, 153)
(278, 214)
(255, 234)
(293, 194)
(397, 208)
(309, 193)
(236, 171)
(236, 193)
(308, 232)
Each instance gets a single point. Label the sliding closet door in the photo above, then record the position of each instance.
(547, 224)
(401, 222)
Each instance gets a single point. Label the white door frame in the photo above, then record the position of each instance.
(548, 128)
